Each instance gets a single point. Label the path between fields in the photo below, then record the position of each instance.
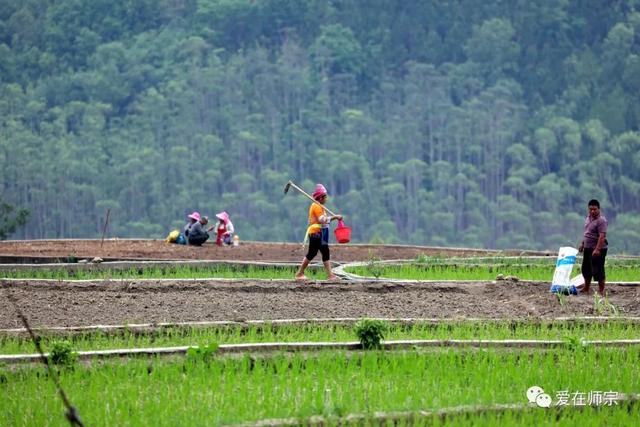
(141, 249)
(57, 303)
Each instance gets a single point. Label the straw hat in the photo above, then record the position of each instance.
(223, 216)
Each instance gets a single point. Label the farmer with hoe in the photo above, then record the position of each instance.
(594, 245)
(318, 233)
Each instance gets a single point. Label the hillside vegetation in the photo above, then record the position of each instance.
(487, 124)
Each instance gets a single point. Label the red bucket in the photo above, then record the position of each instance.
(343, 233)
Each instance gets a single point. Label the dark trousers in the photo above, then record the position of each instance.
(319, 242)
(199, 239)
(593, 266)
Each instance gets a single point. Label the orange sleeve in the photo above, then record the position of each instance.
(315, 212)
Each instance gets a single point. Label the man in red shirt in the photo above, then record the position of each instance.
(594, 247)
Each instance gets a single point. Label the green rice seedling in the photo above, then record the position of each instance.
(576, 343)
(370, 332)
(612, 309)
(202, 353)
(62, 354)
(613, 328)
(422, 259)
(423, 268)
(603, 307)
(373, 266)
(173, 272)
(561, 298)
(586, 416)
(598, 304)
(233, 390)
(465, 271)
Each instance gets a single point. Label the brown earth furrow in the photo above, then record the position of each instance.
(121, 249)
(77, 304)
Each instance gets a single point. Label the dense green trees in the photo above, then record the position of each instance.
(10, 219)
(444, 123)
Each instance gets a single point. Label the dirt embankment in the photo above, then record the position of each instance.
(56, 303)
(119, 302)
(119, 249)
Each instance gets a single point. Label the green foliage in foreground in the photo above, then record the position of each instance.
(370, 332)
(612, 260)
(202, 353)
(175, 336)
(231, 390)
(535, 417)
(62, 354)
(424, 268)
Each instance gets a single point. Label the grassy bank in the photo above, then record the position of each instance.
(182, 336)
(623, 270)
(225, 271)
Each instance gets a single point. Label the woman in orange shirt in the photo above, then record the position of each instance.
(318, 232)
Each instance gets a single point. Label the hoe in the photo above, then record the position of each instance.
(291, 184)
(342, 232)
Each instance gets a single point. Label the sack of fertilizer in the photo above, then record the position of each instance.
(561, 282)
(578, 280)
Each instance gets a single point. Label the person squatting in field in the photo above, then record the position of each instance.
(594, 246)
(198, 234)
(224, 230)
(193, 218)
(318, 233)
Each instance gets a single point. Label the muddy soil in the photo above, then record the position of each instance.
(79, 304)
(129, 249)
(58, 303)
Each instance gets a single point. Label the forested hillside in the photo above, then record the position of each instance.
(461, 122)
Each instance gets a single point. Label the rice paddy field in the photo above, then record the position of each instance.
(421, 268)
(222, 271)
(424, 268)
(587, 385)
(614, 329)
(226, 390)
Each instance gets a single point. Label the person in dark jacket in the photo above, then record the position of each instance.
(193, 218)
(198, 234)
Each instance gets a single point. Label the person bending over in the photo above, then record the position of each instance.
(198, 233)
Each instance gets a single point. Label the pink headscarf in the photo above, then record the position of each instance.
(319, 191)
